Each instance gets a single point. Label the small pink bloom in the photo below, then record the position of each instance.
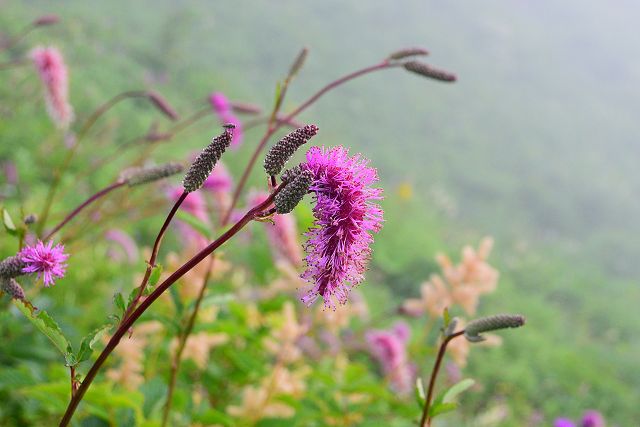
(389, 348)
(220, 103)
(282, 234)
(224, 110)
(53, 74)
(125, 242)
(592, 418)
(47, 261)
(194, 204)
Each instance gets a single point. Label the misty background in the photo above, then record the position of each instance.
(536, 144)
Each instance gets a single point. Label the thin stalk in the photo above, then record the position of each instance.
(17, 38)
(153, 296)
(13, 64)
(88, 124)
(83, 205)
(279, 123)
(425, 421)
(182, 341)
(154, 254)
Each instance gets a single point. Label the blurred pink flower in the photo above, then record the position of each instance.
(592, 418)
(282, 234)
(224, 110)
(126, 243)
(53, 74)
(195, 205)
(389, 348)
(219, 184)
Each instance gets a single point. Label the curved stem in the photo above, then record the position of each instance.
(154, 254)
(17, 38)
(88, 124)
(83, 205)
(273, 127)
(425, 421)
(153, 296)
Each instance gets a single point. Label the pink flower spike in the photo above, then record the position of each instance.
(345, 216)
(238, 134)
(45, 260)
(224, 110)
(389, 348)
(219, 103)
(53, 74)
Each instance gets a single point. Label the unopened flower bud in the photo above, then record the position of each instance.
(299, 62)
(293, 192)
(429, 72)
(491, 323)
(12, 288)
(138, 176)
(206, 160)
(45, 20)
(163, 105)
(405, 53)
(11, 267)
(280, 153)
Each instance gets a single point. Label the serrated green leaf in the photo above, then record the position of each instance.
(118, 301)
(45, 324)
(441, 408)
(89, 341)
(194, 222)
(456, 389)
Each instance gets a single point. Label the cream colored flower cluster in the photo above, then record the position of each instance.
(460, 284)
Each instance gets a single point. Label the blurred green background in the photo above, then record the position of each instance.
(534, 145)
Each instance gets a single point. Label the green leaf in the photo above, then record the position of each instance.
(219, 299)
(213, 416)
(118, 301)
(45, 324)
(194, 222)
(419, 392)
(175, 297)
(441, 408)
(9, 225)
(155, 276)
(456, 389)
(89, 341)
(447, 317)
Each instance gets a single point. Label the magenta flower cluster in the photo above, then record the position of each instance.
(389, 348)
(224, 110)
(345, 216)
(46, 260)
(53, 73)
(590, 418)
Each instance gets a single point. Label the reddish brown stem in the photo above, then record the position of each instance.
(83, 205)
(153, 296)
(425, 421)
(154, 254)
